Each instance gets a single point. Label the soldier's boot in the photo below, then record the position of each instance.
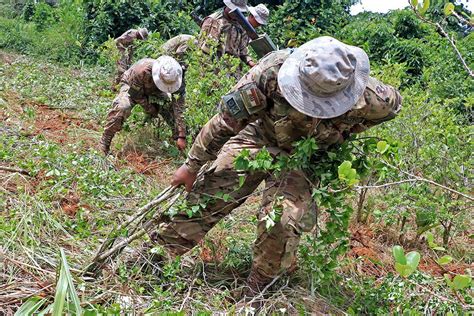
(104, 143)
(251, 296)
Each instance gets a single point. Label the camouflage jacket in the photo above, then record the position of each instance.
(125, 40)
(177, 47)
(230, 36)
(144, 91)
(276, 123)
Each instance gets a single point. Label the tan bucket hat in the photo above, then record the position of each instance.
(260, 13)
(143, 33)
(241, 4)
(324, 78)
(167, 74)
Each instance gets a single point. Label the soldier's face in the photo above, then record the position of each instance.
(253, 21)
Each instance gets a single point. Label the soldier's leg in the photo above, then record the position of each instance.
(121, 110)
(275, 248)
(181, 233)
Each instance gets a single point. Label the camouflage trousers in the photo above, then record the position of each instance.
(274, 250)
(122, 108)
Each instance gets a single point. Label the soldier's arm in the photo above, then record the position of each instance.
(380, 103)
(178, 110)
(254, 89)
(212, 137)
(127, 38)
(244, 51)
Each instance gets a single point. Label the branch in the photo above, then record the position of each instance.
(107, 250)
(441, 31)
(415, 178)
(458, 53)
(17, 170)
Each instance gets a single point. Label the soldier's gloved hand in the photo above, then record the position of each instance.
(183, 176)
(181, 143)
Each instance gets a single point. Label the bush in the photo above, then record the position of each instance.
(294, 22)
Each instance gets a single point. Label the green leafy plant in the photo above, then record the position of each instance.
(459, 282)
(405, 264)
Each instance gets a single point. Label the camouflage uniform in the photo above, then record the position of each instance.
(124, 44)
(271, 122)
(138, 87)
(231, 38)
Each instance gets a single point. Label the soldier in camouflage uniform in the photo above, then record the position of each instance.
(321, 90)
(125, 47)
(150, 83)
(227, 32)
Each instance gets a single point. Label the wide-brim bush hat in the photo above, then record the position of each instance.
(233, 4)
(167, 74)
(324, 78)
(143, 32)
(260, 13)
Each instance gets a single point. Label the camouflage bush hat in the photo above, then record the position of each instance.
(260, 13)
(167, 74)
(324, 78)
(232, 4)
(143, 33)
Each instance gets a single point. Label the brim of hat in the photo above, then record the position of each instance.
(232, 6)
(143, 33)
(164, 86)
(257, 17)
(305, 101)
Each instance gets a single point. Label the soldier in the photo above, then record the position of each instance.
(258, 15)
(321, 90)
(228, 33)
(150, 83)
(178, 46)
(124, 44)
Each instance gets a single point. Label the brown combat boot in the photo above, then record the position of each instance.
(252, 297)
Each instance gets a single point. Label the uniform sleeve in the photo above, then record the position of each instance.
(135, 76)
(225, 125)
(380, 103)
(244, 51)
(127, 38)
(178, 110)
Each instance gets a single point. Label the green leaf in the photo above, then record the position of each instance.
(399, 255)
(72, 291)
(414, 3)
(461, 282)
(241, 181)
(439, 248)
(445, 260)
(413, 259)
(403, 269)
(448, 9)
(430, 238)
(60, 296)
(31, 306)
(382, 147)
(347, 173)
(65, 288)
(242, 162)
(448, 280)
(425, 7)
